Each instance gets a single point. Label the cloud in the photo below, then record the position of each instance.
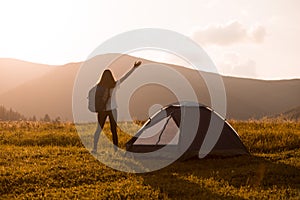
(233, 64)
(258, 34)
(230, 33)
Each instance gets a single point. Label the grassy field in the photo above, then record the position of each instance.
(47, 160)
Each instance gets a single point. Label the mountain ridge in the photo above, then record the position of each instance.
(171, 64)
(51, 93)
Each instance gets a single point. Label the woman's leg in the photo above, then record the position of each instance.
(101, 120)
(113, 125)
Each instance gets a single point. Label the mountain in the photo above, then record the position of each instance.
(292, 114)
(250, 98)
(51, 92)
(15, 72)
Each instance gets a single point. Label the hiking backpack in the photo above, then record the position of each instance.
(98, 97)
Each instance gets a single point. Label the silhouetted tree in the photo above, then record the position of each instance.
(47, 118)
(10, 115)
(57, 120)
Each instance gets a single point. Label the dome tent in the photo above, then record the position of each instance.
(163, 130)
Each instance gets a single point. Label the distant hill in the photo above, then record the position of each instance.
(250, 98)
(16, 72)
(51, 92)
(293, 114)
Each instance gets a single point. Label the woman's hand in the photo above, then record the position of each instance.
(137, 63)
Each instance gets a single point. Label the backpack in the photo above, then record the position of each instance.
(98, 97)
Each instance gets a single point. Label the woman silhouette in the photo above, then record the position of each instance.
(108, 82)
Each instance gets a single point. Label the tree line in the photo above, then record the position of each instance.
(11, 115)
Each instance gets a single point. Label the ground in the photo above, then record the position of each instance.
(48, 160)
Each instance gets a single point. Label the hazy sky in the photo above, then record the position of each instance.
(258, 38)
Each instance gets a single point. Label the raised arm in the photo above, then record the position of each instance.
(136, 64)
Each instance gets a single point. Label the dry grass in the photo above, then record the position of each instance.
(47, 160)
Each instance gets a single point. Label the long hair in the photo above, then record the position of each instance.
(107, 79)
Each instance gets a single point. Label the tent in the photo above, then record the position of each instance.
(164, 129)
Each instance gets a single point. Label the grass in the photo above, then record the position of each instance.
(47, 160)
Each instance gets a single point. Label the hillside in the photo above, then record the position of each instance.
(51, 93)
(293, 114)
(15, 72)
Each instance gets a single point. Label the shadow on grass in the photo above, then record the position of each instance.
(174, 187)
(205, 178)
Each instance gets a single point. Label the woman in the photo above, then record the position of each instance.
(107, 81)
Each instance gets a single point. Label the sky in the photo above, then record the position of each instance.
(255, 39)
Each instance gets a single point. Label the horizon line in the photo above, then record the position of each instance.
(221, 74)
